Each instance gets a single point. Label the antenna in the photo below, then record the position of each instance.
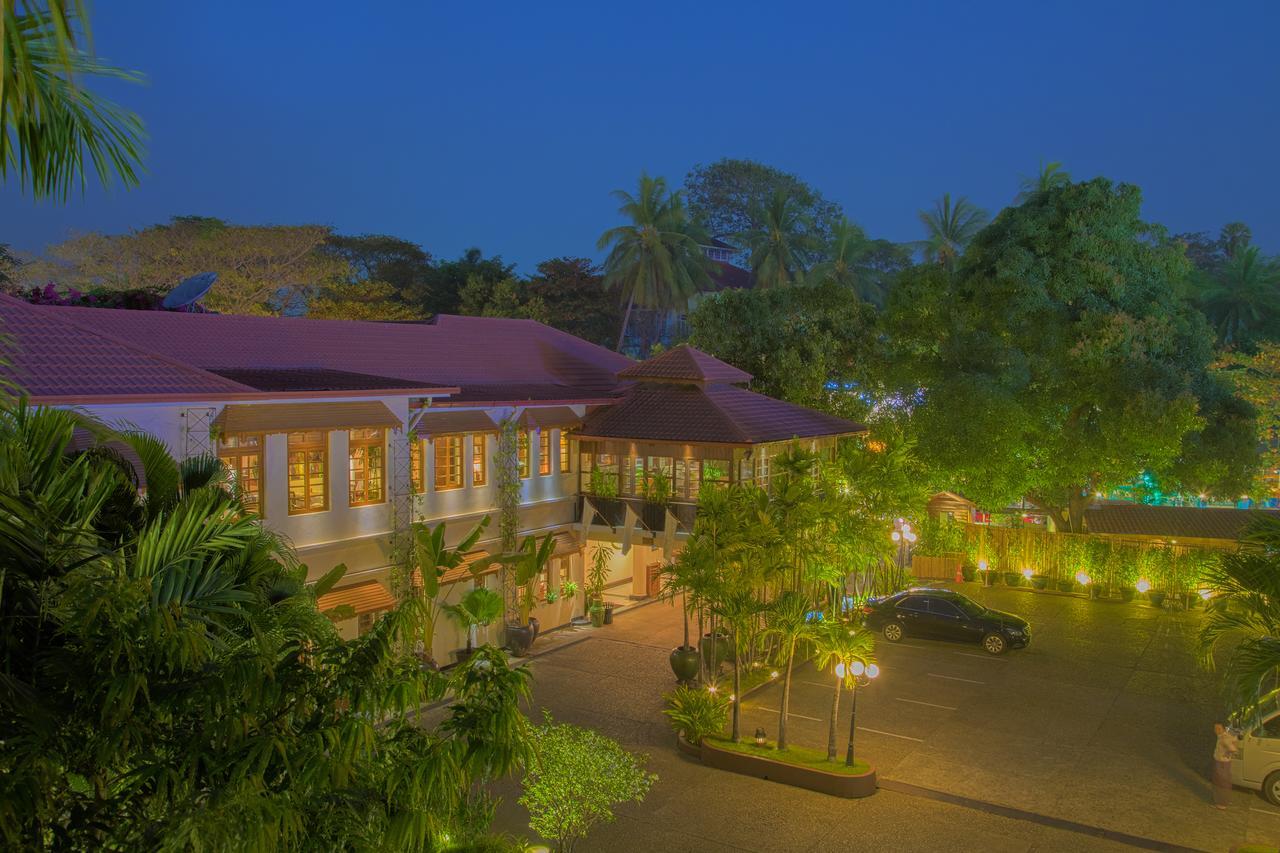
(188, 292)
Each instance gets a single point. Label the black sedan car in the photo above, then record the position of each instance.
(941, 614)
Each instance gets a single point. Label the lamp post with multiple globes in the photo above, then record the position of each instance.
(860, 675)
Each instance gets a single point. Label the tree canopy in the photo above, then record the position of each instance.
(731, 196)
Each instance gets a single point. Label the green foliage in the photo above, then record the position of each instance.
(939, 536)
(598, 571)
(187, 692)
(577, 301)
(507, 479)
(603, 483)
(418, 577)
(525, 564)
(1241, 297)
(696, 712)
(732, 196)
(576, 779)
(508, 297)
(781, 247)
(53, 129)
(477, 608)
(862, 266)
(950, 228)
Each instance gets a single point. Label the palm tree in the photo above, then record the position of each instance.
(739, 610)
(1050, 177)
(838, 646)
(1243, 298)
(950, 228)
(843, 264)
(787, 619)
(50, 125)
(655, 261)
(1244, 615)
(781, 246)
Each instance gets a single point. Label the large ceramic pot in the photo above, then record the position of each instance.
(685, 662)
(723, 649)
(1039, 581)
(1066, 586)
(1156, 598)
(597, 617)
(520, 639)
(1095, 591)
(1012, 578)
(535, 625)
(1127, 593)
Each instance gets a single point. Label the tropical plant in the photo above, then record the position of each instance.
(838, 646)
(655, 260)
(739, 611)
(427, 561)
(52, 129)
(1242, 297)
(781, 246)
(477, 608)
(844, 264)
(575, 780)
(696, 712)
(950, 227)
(1050, 177)
(788, 619)
(598, 571)
(526, 564)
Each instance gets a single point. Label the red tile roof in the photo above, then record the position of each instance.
(686, 364)
(727, 276)
(1170, 522)
(709, 414)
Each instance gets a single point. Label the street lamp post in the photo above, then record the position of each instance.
(904, 537)
(862, 675)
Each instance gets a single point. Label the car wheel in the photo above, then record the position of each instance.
(1271, 788)
(892, 632)
(995, 644)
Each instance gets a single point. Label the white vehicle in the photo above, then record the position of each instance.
(1257, 764)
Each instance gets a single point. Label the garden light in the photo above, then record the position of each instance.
(1083, 578)
(873, 671)
(773, 674)
(711, 688)
(761, 736)
(1143, 585)
(982, 565)
(1027, 573)
(840, 670)
(896, 536)
(858, 668)
(1206, 594)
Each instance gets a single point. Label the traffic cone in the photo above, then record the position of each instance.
(959, 574)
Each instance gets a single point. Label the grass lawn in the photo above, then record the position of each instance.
(797, 755)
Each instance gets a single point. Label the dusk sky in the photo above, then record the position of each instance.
(505, 126)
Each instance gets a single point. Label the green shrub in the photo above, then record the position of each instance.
(696, 712)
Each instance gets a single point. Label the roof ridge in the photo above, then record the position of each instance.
(129, 345)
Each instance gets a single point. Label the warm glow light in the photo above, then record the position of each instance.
(1083, 578)
(858, 668)
(896, 536)
(1143, 585)
(839, 670)
(1206, 594)
(711, 688)
(773, 674)
(873, 671)
(732, 697)
(911, 537)
(1026, 573)
(982, 565)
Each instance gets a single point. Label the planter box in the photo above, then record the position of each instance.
(690, 749)
(835, 784)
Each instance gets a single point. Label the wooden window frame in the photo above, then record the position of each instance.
(450, 459)
(377, 440)
(544, 452)
(232, 456)
(566, 453)
(479, 459)
(307, 447)
(417, 466)
(524, 453)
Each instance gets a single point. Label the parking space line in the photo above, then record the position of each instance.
(982, 657)
(817, 684)
(890, 734)
(1264, 811)
(955, 678)
(776, 711)
(930, 704)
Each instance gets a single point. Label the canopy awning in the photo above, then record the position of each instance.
(550, 417)
(479, 559)
(298, 417)
(364, 597)
(566, 543)
(452, 423)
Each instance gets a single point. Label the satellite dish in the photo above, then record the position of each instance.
(189, 292)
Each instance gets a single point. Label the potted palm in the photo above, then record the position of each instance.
(597, 576)
(526, 564)
(477, 609)
(428, 561)
(683, 577)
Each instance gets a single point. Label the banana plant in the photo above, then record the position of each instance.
(429, 560)
(526, 563)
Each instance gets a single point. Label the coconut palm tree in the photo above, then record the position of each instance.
(950, 227)
(787, 620)
(838, 646)
(655, 260)
(842, 264)
(53, 131)
(1050, 177)
(1243, 615)
(1243, 297)
(739, 610)
(781, 247)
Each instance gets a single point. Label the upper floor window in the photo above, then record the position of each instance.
(479, 459)
(242, 456)
(448, 462)
(416, 466)
(308, 472)
(566, 458)
(523, 451)
(368, 451)
(544, 452)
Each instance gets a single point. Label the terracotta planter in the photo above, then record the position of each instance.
(835, 784)
(685, 662)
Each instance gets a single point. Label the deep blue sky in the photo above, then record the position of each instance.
(505, 125)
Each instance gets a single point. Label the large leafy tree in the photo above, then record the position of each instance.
(54, 131)
(781, 246)
(864, 266)
(1057, 361)
(654, 260)
(733, 196)
(577, 302)
(168, 682)
(386, 279)
(949, 228)
(1050, 177)
(441, 292)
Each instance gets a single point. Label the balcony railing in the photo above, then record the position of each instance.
(613, 512)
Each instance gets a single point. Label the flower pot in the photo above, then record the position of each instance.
(1156, 598)
(1127, 593)
(597, 617)
(519, 639)
(535, 625)
(968, 573)
(608, 614)
(463, 655)
(685, 662)
(1039, 581)
(1012, 578)
(723, 649)
(1066, 586)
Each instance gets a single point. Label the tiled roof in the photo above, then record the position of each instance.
(686, 364)
(315, 379)
(296, 417)
(550, 417)
(454, 423)
(717, 243)
(473, 394)
(709, 414)
(52, 359)
(1169, 522)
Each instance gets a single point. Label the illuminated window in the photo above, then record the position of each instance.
(448, 462)
(544, 452)
(523, 450)
(479, 459)
(715, 472)
(566, 458)
(416, 465)
(242, 454)
(687, 482)
(368, 467)
(308, 472)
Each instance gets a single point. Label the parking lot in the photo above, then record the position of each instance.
(1103, 722)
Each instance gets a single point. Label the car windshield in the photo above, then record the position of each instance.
(970, 607)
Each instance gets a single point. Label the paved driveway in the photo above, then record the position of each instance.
(1104, 721)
